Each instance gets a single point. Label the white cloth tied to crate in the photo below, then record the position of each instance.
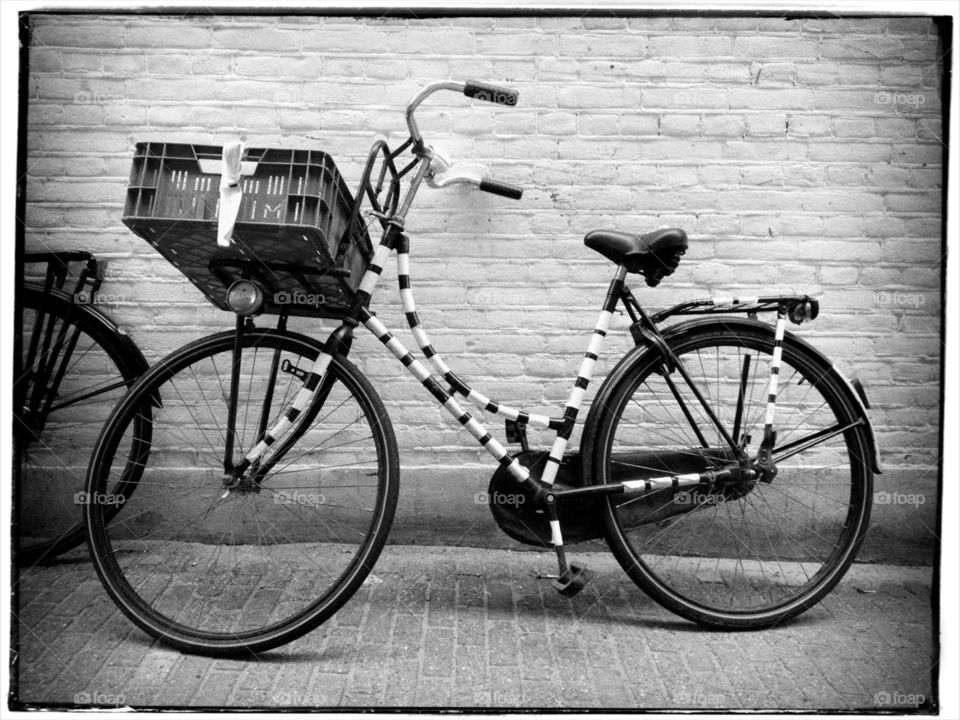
(230, 192)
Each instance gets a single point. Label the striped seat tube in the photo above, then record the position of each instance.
(774, 376)
(583, 377)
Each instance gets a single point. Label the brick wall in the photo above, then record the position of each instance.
(800, 155)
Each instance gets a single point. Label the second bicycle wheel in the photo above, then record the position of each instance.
(215, 569)
(761, 552)
(75, 367)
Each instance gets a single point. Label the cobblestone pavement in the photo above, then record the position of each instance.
(473, 628)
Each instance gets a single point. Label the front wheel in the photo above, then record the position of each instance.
(211, 566)
(758, 553)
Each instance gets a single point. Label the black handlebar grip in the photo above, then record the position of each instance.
(490, 93)
(498, 188)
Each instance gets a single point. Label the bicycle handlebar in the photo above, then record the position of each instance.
(496, 187)
(490, 93)
(471, 88)
(437, 167)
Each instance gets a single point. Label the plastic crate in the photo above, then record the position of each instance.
(296, 232)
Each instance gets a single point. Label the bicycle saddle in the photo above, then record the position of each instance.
(655, 254)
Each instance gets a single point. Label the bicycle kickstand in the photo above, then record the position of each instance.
(571, 578)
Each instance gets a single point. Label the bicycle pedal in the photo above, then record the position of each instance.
(577, 578)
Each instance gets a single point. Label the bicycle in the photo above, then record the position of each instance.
(727, 462)
(75, 366)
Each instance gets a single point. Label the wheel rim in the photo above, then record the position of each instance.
(779, 545)
(187, 558)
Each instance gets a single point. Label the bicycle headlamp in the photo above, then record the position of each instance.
(245, 297)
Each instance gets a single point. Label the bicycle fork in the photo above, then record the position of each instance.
(292, 424)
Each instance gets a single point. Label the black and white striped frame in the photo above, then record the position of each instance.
(394, 239)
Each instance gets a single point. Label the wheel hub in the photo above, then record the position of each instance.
(242, 483)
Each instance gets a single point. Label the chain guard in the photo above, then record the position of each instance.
(515, 511)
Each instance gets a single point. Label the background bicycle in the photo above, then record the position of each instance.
(74, 367)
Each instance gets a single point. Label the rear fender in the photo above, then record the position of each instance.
(645, 347)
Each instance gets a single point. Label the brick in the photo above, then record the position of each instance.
(913, 202)
(689, 46)
(861, 127)
(259, 38)
(675, 125)
(862, 47)
(757, 48)
(851, 201)
(527, 44)
(674, 98)
(167, 35)
(725, 124)
(609, 45)
(168, 64)
(125, 64)
(763, 150)
(607, 124)
(761, 98)
(44, 60)
(448, 42)
(81, 62)
(557, 69)
(774, 74)
(909, 26)
(764, 125)
(856, 74)
(55, 32)
(857, 152)
(212, 64)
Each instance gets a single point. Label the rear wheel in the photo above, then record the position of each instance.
(221, 570)
(755, 555)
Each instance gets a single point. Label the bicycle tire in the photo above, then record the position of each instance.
(244, 574)
(54, 452)
(690, 557)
